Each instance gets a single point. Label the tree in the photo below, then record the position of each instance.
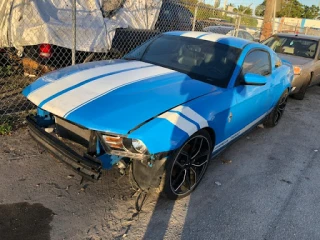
(259, 11)
(310, 12)
(249, 21)
(291, 8)
(267, 25)
(242, 8)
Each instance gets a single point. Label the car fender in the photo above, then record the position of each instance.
(169, 130)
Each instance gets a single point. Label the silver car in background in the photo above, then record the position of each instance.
(230, 31)
(303, 53)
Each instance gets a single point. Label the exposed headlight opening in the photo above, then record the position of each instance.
(139, 146)
(125, 144)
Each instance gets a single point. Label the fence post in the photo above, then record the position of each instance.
(237, 27)
(74, 30)
(195, 17)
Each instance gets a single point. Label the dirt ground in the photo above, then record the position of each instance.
(265, 186)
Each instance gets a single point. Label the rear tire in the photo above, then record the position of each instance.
(274, 117)
(186, 167)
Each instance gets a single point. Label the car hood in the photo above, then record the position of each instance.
(113, 96)
(294, 60)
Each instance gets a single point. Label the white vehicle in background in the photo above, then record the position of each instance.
(230, 31)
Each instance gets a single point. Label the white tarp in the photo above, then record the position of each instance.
(24, 22)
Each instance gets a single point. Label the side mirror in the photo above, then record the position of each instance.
(254, 79)
(278, 63)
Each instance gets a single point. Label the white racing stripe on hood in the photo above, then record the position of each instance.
(194, 116)
(77, 97)
(48, 90)
(180, 122)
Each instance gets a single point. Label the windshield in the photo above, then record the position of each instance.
(293, 46)
(203, 60)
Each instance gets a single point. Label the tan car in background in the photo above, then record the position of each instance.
(303, 53)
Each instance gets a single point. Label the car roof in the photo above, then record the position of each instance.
(301, 36)
(219, 29)
(213, 37)
(224, 27)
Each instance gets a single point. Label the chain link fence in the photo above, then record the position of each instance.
(37, 37)
(295, 27)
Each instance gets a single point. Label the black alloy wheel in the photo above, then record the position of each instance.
(186, 168)
(280, 108)
(274, 117)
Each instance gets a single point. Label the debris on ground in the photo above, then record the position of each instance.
(217, 183)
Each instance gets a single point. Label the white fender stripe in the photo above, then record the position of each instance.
(67, 102)
(180, 122)
(188, 112)
(50, 89)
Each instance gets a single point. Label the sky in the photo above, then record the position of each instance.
(257, 2)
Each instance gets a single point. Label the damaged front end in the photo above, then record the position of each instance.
(88, 152)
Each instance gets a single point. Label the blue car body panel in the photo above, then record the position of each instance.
(159, 106)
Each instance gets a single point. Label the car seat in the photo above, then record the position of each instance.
(299, 50)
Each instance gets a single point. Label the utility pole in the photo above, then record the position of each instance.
(225, 7)
(274, 17)
(225, 4)
(267, 21)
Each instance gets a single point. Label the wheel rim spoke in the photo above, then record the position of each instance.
(194, 147)
(280, 109)
(195, 174)
(279, 112)
(183, 180)
(188, 179)
(206, 153)
(199, 165)
(184, 153)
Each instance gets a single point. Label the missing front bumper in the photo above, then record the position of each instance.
(86, 166)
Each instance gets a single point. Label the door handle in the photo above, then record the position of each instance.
(230, 117)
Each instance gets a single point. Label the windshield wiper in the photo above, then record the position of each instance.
(130, 58)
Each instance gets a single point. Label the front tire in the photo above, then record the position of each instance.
(274, 117)
(186, 167)
(302, 92)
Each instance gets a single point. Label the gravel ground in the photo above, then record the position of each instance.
(265, 186)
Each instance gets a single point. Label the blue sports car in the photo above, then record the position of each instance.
(163, 111)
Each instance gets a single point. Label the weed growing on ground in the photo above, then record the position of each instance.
(5, 129)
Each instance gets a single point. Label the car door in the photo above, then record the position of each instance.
(253, 102)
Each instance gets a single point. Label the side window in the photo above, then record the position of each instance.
(248, 36)
(231, 33)
(240, 34)
(257, 62)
